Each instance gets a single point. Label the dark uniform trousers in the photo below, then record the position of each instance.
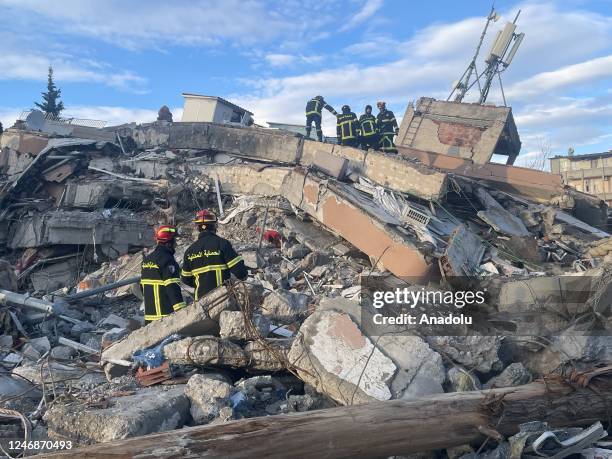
(160, 284)
(347, 129)
(209, 262)
(387, 125)
(369, 132)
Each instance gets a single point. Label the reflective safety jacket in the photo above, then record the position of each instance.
(347, 126)
(387, 124)
(368, 125)
(316, 106)
(160, 284)
(209, 262)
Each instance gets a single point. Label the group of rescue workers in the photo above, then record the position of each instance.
(369, 131)
(207, 263)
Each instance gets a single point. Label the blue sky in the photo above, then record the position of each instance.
(121, 60)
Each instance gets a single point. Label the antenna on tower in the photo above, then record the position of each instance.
(500, 56)
(463, 84)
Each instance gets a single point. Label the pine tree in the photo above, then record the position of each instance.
(50, 104)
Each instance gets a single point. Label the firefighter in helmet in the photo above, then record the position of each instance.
(314, 109)
(211, 260)
(160, 282)
(387, 127)
(347, 127)
(369, 130)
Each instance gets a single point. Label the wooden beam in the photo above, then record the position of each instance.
(382, 429)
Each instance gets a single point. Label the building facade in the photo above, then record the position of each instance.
(587, 173)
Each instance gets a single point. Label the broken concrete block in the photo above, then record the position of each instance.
(205, 351)
(479, 353)
(114, 321)
(420, 371)
(297, 251)
(514, 374)
(60, 372)
(583, 348)
(55, 276)
(246, 178)
(63, 352)
(285, 307)
(154, 409)
(313, 237)
(194, 320)
(35, 348)
(10, 386)
(334, 356)
(327, 163)
(208, 397)
(233, 325)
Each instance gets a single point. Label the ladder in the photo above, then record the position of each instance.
(413, 127)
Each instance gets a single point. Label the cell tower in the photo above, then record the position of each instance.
(499, 58)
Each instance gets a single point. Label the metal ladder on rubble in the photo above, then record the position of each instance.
(413, 127)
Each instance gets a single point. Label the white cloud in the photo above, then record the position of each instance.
(32, 66)
(159, 23)
(280, 60)
(369, 8)
(571, 75)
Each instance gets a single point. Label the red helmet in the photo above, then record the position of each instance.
(205, 216)
(166, 233)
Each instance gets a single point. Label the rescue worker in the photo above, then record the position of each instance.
(160, 282)
(211, 260)
(369, 130)
(314, 107)
(387, 128)
(347, 127)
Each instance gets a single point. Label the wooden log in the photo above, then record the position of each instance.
(381, 429)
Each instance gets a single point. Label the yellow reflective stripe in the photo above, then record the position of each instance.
(219, 277)
(234, 262)
(178, 306)
(312, 113)
(197, 287)
(186, 273)
(152, 317)
(157, 301)
(209, 268)
(173, 280)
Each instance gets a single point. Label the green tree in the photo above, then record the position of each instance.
(50, 103)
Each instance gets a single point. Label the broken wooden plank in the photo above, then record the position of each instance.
(381, 429)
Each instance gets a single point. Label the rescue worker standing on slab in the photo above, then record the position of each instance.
(347, 127)
(314, 107)
(387, 128)
(160, 282)
(369, 130)
(211, 260)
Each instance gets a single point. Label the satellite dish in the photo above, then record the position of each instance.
(35, 120)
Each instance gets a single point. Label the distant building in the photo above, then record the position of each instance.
(298, 129)
(588, 173)
(214, 109)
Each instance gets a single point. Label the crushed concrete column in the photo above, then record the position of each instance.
(199, 318)
(205, 351)
(359, 222)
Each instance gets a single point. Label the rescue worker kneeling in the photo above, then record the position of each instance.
(211, 260)
(160, 282)
(347, 127)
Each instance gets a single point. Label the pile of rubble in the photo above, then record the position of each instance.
(314, 223)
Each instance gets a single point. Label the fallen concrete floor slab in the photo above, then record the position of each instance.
(359, 222)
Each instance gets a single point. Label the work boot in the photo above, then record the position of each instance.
(308, 132)
(320, 135)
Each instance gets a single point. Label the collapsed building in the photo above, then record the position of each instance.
(318, 225)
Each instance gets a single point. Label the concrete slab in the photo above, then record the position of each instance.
(150, 410)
